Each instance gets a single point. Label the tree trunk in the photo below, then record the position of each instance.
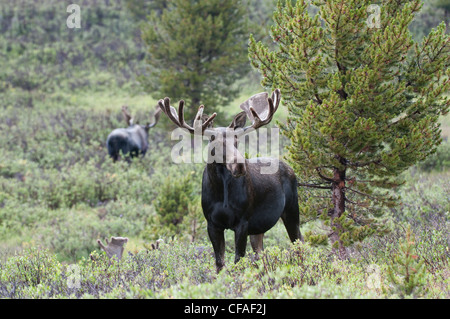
(338, 197)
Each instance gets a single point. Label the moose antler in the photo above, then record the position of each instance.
(178, 117)
(156, 116)
(260, 109)
(127, 115)
(115, 247)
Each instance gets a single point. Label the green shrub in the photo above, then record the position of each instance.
(424, 196)
(177, 206)
(407, 272)
(439, 161)
(32, 268)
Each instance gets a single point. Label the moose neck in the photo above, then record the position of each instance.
(223, 182)
(141, 133)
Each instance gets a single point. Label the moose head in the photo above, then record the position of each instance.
(235, 194)
(132, 140)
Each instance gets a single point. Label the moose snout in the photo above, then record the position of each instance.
(237, 169)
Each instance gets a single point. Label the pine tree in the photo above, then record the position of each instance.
(406, 272)
(363, 100)
(196, 50)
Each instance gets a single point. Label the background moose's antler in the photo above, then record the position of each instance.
(260, 109)
(156, 116)
(178, 117)
(126, 115)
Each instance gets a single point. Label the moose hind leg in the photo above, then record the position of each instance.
(291, 220)
(257, 243)
(217, 238)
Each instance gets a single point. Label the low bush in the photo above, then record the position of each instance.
(439, 161)
(186, 270)
(177, 206)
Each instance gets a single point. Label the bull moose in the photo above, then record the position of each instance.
(132, 140)
(235, 195)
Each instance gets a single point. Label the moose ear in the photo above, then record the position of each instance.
(239, 120)
(205, 118)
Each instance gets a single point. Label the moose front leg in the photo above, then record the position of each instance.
(217, 238)
(240, 240)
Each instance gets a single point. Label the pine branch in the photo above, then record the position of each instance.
(357, 164)
(314, 186)
(364, 204)
(374, 197)
(324, 177)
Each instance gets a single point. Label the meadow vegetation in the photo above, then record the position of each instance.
(61, 93)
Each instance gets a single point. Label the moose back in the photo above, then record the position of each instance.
(131, 141)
